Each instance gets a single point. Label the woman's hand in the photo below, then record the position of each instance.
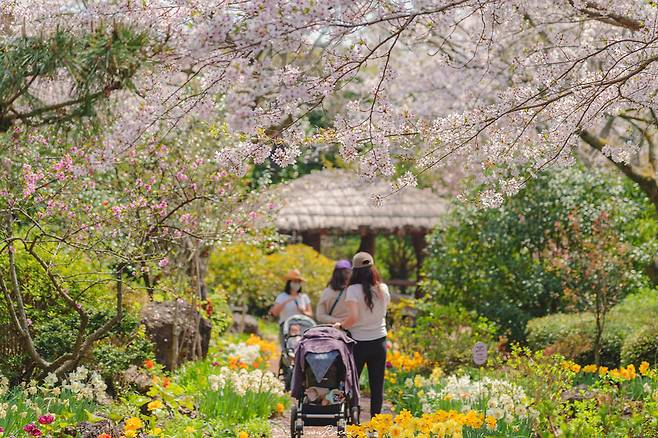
(337, 325)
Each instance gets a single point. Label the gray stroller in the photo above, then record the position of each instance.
(292, 331)
(325, 381)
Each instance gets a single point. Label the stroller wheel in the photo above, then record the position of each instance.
(287, 378)
(296, 424)
(341, 429)
(355, 413)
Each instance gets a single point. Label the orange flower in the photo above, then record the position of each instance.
(644, 368)
(104, 435)
(165, 382)
(149, 364)
(280, 408)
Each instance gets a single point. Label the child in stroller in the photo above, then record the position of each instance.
(292, 330)
(324, 381)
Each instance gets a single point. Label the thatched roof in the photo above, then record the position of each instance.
(340, 201)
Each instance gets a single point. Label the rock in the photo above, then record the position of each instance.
(159, 321)
(579, 392)
(92, 430)
(136, 378)
(250, 323)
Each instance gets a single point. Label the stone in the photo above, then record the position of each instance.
(250, 323)
(137, 379)
(579, 392)
(92, 430)
(158, 317)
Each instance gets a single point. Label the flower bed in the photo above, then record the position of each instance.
(521, 396)
(230, 394)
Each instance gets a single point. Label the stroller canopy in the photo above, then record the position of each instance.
(302, 320)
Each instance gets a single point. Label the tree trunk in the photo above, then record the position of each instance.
(175, 338)
(367, 242)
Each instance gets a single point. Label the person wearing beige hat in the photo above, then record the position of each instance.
(367, 299)
(292, 301)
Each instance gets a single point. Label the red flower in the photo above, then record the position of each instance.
(148, 364)
(32, 430)
(46, 419)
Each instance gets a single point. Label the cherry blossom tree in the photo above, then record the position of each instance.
(492, 84)
(499, 89)
(64, 202)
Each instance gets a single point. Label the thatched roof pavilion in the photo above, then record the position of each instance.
(339, 202)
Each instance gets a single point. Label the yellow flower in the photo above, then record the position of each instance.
(491, 422)
(437, 373)
(190, 429)
(130, 433)
(418, 381)
(395, 431)
(156, 431)
(155, 404)
(133, 423)
(644, 368)
(575, 368)
(243, 434)
(280, 408)
(590, 368)
(603, 371)
(630, 370)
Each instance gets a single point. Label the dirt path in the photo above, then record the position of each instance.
(281, 425)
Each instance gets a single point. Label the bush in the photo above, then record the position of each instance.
(245, 271)
(641, 345)
(572, 334)
(444, 334)
(490, 260)
(54, 325)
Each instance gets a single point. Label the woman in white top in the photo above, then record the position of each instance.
(292, 301)
(367, 299)
(332, 308)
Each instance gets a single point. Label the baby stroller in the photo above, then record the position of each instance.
(325, 381)
(292, 331)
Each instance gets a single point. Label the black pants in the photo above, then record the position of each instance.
(373, 354)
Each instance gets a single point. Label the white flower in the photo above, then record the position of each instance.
(497, 413)
(4, 385)
(50, 380)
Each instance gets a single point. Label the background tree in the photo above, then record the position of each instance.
(593, 268)
(490, 260)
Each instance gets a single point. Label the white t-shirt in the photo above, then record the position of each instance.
(371, 324)
(290, 308)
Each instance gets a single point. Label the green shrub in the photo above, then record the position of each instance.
(242, 271)
(572, 334)
(491, 260)
(641, 345)
(444, 334)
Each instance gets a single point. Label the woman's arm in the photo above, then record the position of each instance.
(307, 309)
(278, 308)
(352, 315)
(322, 316)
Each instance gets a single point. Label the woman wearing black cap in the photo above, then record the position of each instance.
(367, 299)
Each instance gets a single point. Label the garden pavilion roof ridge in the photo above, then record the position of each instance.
(336, 200)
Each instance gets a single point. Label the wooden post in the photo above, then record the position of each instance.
(312, 239)
(367, 241)
(419, 243)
